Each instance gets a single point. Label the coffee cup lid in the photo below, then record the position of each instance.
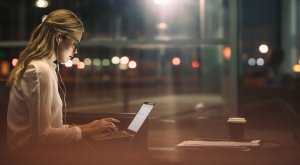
(237, 120)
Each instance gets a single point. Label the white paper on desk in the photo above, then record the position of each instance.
(205, 143)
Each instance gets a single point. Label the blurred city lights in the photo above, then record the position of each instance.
(176, 61)
(75, 60)
(105, 62)
(162, 26)
(132, 64)
(4, 68)
(115, 60)
(123, 66)
(69, 64)
(80, 65)
(260, 61)
(97, 62)
(14, 62)
(124, 60)
(162, 2)
(195, 64)
(296, 68)
(199, 106)
(251, 61)
(87, 61)
(263, 48)
(2, 54)
(42, 3)
(227, 52)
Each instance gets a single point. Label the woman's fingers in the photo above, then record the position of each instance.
(110, 119)
(112, 127)
(105, 125)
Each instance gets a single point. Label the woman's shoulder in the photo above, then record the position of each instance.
(39, 68)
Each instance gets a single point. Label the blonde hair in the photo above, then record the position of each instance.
(42, 43)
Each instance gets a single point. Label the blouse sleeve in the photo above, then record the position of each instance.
(39, 82)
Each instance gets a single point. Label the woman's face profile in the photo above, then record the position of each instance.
(68, 47)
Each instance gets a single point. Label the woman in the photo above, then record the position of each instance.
(34, 115)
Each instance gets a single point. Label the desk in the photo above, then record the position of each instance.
(103, 152)
(140, 141)
(116, 152)
(266, 153)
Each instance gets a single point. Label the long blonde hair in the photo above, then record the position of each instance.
(43, 40)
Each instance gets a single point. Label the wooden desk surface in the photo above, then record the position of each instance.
(264, 154)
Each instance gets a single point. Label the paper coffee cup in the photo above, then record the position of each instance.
(236, 127)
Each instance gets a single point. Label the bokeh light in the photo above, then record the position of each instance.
(75, 60)
(87, 61)
(41, 3)
(195, 64)
(97, 62)
(105, 62)
(115, 60)
(260, 61)
(162, 26)
(251, 61)
(263, 48)
(69, 64)
(80, 65)
(176, 61)
(161, 2)
(227, 52)
(123, 66)
(4, 67)
(296, 68)
(124, 60)
(14, 62)
(132, 64)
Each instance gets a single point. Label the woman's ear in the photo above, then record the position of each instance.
(58, 40)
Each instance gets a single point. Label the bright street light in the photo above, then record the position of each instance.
(263, 48)
(42, 3)
(161, 2)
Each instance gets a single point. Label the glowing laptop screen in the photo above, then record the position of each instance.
(140, 117)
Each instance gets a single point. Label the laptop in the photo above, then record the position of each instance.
(133, 127)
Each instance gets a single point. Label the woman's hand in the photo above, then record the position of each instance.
(96, 127)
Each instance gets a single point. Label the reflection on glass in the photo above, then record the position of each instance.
(175, 55)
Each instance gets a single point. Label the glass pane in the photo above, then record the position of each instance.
(169, 76)
(175, 55)
(213, 19)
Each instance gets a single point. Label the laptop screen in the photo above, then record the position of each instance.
(140, 117)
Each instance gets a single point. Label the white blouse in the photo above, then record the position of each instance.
(34, 114)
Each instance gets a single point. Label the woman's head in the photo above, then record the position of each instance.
(58, 35)
(63, 30)
(51, 35)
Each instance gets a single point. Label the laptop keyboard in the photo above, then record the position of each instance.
(113, 135)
